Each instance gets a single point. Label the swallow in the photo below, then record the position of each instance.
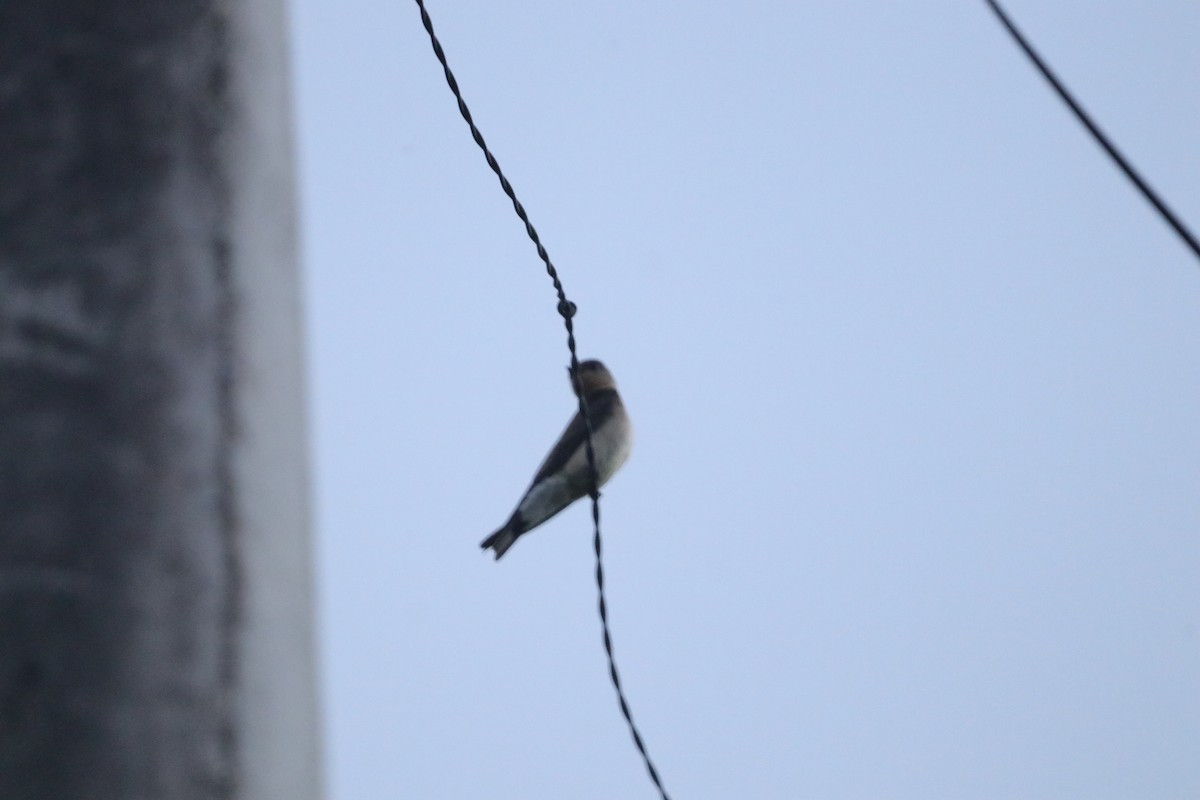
(564, 476)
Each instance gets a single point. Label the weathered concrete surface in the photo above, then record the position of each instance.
(141, 220)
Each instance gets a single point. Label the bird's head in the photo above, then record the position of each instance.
(593, 377)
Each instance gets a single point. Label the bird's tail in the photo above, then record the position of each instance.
(500, 541)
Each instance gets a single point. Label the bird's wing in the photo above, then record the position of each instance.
(600, 409)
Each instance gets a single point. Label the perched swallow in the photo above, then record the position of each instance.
(564, 476)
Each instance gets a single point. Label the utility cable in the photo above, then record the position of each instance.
(1130, 172)
(567, 309)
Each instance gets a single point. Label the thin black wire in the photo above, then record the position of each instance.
(567, 309)
(1131, 173)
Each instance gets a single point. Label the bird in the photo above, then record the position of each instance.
(564, 476)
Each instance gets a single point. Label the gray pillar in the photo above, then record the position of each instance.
(155, 607)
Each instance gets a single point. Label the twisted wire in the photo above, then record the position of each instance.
(567, 310)
(1159, 204)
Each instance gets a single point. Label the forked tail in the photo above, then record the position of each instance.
(500, 541)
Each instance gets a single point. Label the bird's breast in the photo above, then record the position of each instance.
(614, 446)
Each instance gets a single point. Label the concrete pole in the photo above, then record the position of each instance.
(155, 593)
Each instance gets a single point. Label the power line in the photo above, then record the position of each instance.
(567, 309)
(1159, 204)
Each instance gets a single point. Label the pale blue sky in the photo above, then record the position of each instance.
(913, 506)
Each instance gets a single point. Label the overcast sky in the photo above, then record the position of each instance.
(913, 506)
